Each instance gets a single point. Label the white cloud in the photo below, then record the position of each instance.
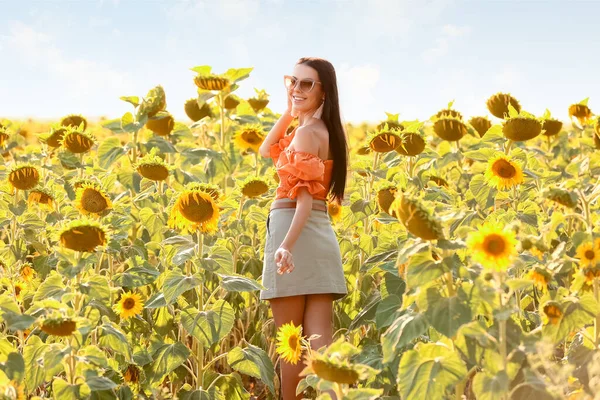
(450, 33)
(79, 77)
(356, 86)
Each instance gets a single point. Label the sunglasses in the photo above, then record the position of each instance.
(305, 85)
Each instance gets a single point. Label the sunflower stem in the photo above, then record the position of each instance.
(239, 213)
(134, 155)
(339, 393)
(507, 146)
(597, 320)
(82, 166)
(502, 322)
(200, 346)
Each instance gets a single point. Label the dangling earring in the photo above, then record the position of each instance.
(319, 112)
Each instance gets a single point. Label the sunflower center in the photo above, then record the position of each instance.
(504, 169)
(589, 254)
(93, 201)
(195, 208)
(17, 290)
(494, 244)
(129, 303)
(251, 137)
(293, 342)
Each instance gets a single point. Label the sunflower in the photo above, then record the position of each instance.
(73, 121)
(416, 218)
(83, 235)
(438, 181)
(42, 197)
(76, 140)
(596, 136)
(154, 102)
(493, 247)
(391, 124)
(254, 187)
(4, 136)
(540, 277)
(580, 111)
(249, 137)
(449, 128)
(290, 342)
(553, 311)
(411, 144)
(129, 305)
(91, 199)
(12, 390)
(498, 104)
(334, 209)
(448, 112)
(23, 176)
(194, 209)
(153, 167)
(27, 272)
(480, 124)
(231, 102)
(58, 326)
(330, 369)
(195, 112)
(385, 197)
(18, 289)
(521, 128)
(385, 140)
(259, 102)
(132, 374)
(161, 124)
(213, 190)
(562, 197)
(211, 82)
(503, 173)
(588, 255)
(552, 127)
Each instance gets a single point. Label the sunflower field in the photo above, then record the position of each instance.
(132, 250)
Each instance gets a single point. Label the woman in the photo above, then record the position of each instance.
(303, 271)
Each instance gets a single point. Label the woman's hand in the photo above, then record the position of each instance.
(284, 261)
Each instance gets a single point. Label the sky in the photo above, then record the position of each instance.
(409, 57)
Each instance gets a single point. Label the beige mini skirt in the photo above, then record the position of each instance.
(316, 254)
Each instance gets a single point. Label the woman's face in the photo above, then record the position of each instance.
(306, 102)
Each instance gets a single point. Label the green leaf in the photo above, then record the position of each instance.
(96, 288)
(176, 284)
(484, 154)
(512, 112)
(202, 69)
(113, 338)
(403, 331)
(53, 357)
(387, 311)
(135, 100)
(209, 326)
(153, 221)
(518, 284)
(136, 277)
(109, 151)
(237, 283)
(128, 123)
(576, 313)
(428, 370)
(446, 314)
(114, 125)
(14, 366)
(237, 74)
(33, 354)
(97, 383)
(62, 390)
(481, 191)
(491, 387)
(17, 322)
(363, 394)
(584, 102)
(423, 269)
(167, 358)
(51, 288)
(253, 361)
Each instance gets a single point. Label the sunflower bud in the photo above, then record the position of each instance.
(521, 128)
(449, 128)
(416, 218)
(552, 127)
(480, 124)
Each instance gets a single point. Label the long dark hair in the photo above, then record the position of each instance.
(332, 118)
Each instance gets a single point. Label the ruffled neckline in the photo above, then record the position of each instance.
(289, 139)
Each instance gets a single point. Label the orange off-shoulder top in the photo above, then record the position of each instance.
(298, 169)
